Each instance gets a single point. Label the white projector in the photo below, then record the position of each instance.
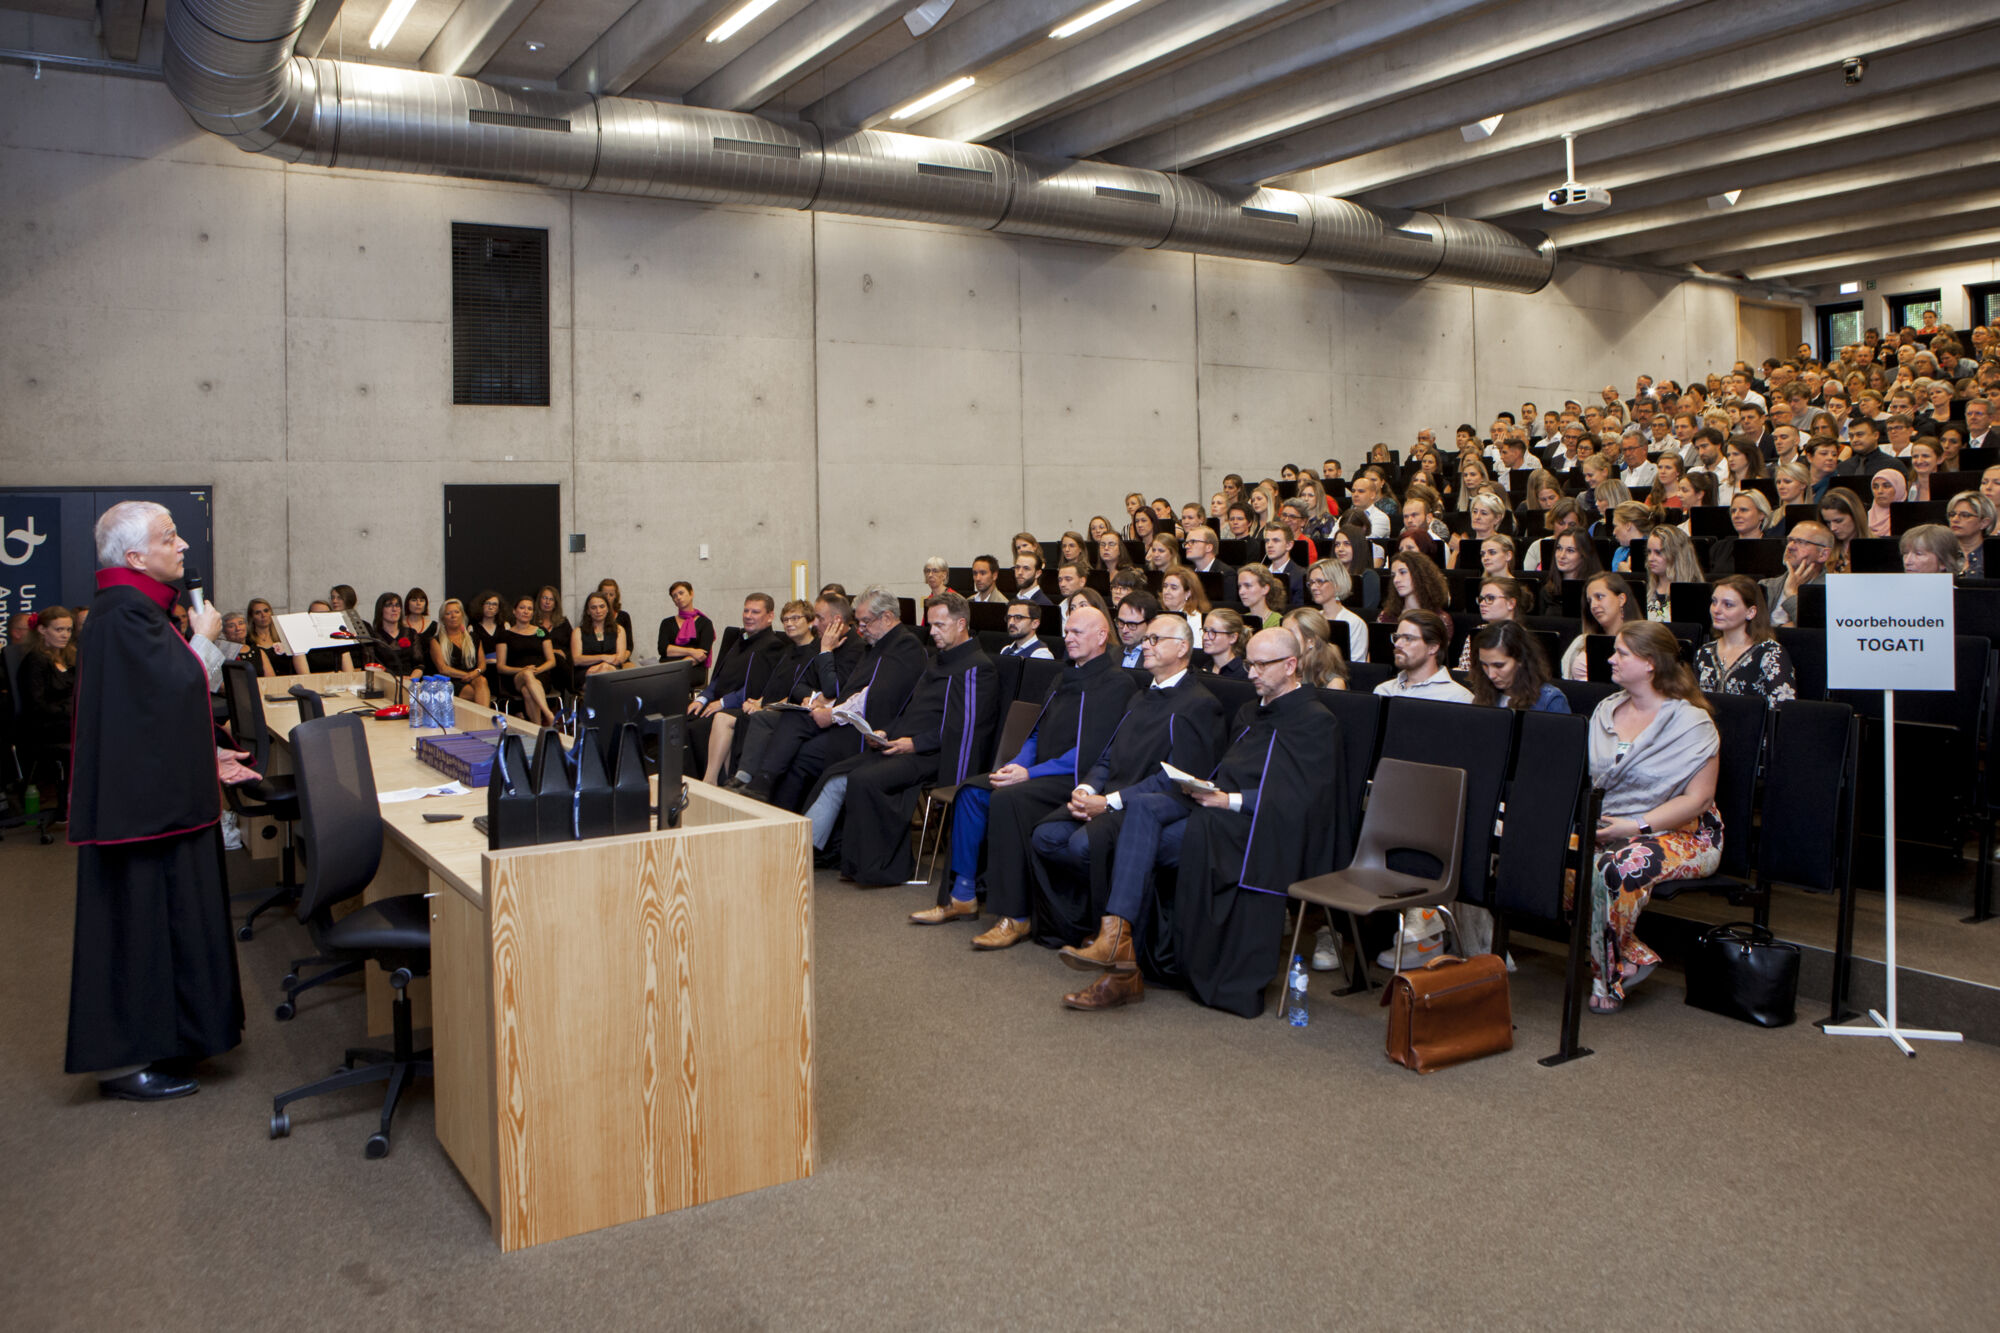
(1570, 198)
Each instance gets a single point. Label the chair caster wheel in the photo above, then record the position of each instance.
(378, 1146)
(291, 980)
(245, 933)
(281, 1125)
(47, 837)
(284, 1011)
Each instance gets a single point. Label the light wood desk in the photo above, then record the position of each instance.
(621, 1027)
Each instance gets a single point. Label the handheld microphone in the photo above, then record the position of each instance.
(192, 582)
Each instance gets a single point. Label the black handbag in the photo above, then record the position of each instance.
(1743, 971)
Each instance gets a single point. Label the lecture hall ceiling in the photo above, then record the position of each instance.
(1677, 105)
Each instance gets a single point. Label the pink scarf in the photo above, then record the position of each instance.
(1878, 513)
(685, 634)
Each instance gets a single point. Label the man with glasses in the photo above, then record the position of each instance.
(1199, 547)
(1176, 720)
(741, 669)
(1825, 464)
(1271, 814)
(1807, 549)
(994, 812)
(944, 733)
(1132, 613)
(1023, 619)
(802, 745)
(1419, 643)
(1639, 472)
(1568, 452)
(1902, 434)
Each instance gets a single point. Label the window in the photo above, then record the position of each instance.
(499, 315)
(1906, 311)
(1839, 326)
(1984, 301)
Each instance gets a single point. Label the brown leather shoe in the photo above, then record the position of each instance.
(1005, 934)
(951, 911)
(1110, 951)
(1109, 992)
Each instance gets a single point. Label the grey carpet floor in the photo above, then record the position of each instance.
(990, 1160)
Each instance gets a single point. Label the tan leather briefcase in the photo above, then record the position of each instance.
(1450, 1011)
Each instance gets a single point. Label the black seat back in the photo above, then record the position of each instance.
(246, 713)
(1363, 677)
(310, 704)
(1551, 770)
(1807, 649)
(340, 819)
(1231, 694)
(1585, 695)
(1478, 740)
(1740, 720)
(1360, 718)
(1808, 801)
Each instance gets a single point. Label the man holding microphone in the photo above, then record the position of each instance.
(153, 982)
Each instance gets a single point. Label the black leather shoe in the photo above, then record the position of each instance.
(148, 1085)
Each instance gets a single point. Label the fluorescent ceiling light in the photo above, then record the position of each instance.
(1480, 129)
(1090, 16)
(736, 22)
(1727, 199)
(1849, 288)
(931, 99)
(391, 20)
(926, 16)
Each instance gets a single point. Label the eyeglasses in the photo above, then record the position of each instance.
(1213, 629)
(1485, 599)
(1258, 664)
(1801, 541)
(1153, 640)
(1962, 513)
(1406, 639)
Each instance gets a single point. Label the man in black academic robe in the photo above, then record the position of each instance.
(803, 744)
(740, 671)
(942, 737)
(1176, 720)
(1274, 820)
(804, 674)
(995, 812)
(153, 977)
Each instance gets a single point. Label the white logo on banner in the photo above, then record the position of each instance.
(27, 535)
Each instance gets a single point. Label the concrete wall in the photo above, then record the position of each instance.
(780, 386)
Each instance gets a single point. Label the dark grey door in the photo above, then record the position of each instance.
(506, 538)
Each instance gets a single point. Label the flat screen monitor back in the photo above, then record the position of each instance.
(643, 694)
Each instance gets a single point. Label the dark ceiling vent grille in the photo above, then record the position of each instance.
(499, 315)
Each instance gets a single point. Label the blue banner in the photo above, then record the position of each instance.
(30, 552)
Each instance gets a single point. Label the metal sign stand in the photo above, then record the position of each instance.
(1889, 1027)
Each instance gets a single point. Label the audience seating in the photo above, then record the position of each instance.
(1478, 740)
(267, 797)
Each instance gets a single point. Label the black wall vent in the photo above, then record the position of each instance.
(499, 315)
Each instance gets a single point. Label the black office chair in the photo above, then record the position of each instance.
(343, 834)
(310, 703)
(267, 796)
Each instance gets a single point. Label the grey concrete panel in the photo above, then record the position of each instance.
(878, 525)
(1256, 418)
(907, 285)
(1251, 314)
(659, 266)
(1099, 302)
(120, 117)
(682, 397)
(1104, 411)
(880, 408)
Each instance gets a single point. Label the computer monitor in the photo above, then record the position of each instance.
(642, 695)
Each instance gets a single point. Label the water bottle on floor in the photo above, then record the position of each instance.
(1295, 993)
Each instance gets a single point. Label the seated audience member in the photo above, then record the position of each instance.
(1511, 671)
(1126, 582)
(1222, 638)
(1364, 505)
(986, 579)
(1356, 553)
(937, 569)
(1419, 644)
(1807, 550)
(1174, 720)
(235, 634)
(1499, 600)
(744, 675)
(1925, 458)
(1744, 657)
(1277, 560)
(1112, 557)
(484, 620)
(1089, 597)
(1608, 606)
(1697, 490)
(552, 622)
(597, 642)
(1654, 753)
(1238, 519)
(262, 641)
(1143, 528)
(47, 706)
(1263, 596)
(1888, 488)
(1028, 579)
(525, 659)
(995, 812)
(1930, 548)
(1415, 583)
(1670, 559)
(1321, 665)
(1631, 523)
(938, 738)
(417, 620)
(801, 745)
(1163, 552)
(1328, 586)
(1024, 618)
(332, 659)
(1200, 548)
(1135, 505)
(1794, 482)
(1866, 457)
(1132, 614)
(341, 598)
(1069, 583)
(1972, 516)
(1276, 817)
(394, 647)
(609, 587)
(1562, 517)
(687, 635)
(455, 654)
(1027, 543)
(1751, 520)
(819, 655)
(1181, 595)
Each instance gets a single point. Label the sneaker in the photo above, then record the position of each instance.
(1421, 923)
(1416, 953)
(232, 836)
(1326, 951)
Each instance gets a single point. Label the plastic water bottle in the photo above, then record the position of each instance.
(1295, 993)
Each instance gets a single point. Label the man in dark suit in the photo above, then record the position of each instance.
(1981, 431)
(1867, 458)
(1027, 579)
(741, 666)
(1199, 547)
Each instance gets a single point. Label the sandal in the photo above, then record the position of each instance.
(1603, 1001)
(1637, 975)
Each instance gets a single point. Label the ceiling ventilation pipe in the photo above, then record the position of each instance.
(229, 63)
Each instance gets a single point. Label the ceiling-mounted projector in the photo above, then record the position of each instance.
(1572, 196)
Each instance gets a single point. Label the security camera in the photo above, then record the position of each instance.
(1852, 69)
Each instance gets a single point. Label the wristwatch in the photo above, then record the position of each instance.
(1645, 829)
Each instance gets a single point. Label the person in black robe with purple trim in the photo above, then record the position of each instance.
(153, 981)
(942, 738)
(1276, 819)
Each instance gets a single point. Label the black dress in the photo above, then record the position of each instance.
(397, 655)
(596, 646)
(48, 705)
(522, 650)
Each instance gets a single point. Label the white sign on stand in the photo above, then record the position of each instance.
(1890, 632)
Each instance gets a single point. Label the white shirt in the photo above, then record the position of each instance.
(1439, 686)
(1114, 800)
(1378, 523)
(1357, 634)
(1639, 480)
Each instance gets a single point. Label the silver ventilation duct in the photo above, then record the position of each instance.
(229, 63)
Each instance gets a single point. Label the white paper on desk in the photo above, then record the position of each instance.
(303, 631)
(1187, 782)
(418, 793)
